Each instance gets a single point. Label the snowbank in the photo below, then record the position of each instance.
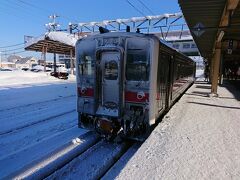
(23, 78)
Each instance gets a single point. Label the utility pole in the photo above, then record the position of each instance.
(52, 26)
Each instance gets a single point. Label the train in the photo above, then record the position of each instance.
(126, 81)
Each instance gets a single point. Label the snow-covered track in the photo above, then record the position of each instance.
(36, 122)
(36, 103)
(43, 167)
(114, 170)
(93, 163)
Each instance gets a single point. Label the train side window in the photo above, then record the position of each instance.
(137, 67)
(176, 46)
(186, 45)
(86, 66)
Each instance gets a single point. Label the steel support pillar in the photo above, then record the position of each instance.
(215, 68)
(71, 61)
(44, 51)
(54, 63)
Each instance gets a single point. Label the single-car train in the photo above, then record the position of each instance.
(126, 80)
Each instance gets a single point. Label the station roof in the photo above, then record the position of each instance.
(207, 18)
(54, 42)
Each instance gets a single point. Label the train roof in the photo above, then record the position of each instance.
(119, 34)
(162, 43)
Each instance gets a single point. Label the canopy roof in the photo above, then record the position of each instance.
(208, 18)
(53, 42)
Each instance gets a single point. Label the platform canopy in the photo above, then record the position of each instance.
(212, 21)
(52, 42)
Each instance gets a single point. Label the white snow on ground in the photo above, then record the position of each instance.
(199, 73)
(37, 116)
(92, 163)
(18, 88)
(197, 139)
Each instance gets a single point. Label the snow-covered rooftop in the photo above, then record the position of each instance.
(61, 42)
(62, 37)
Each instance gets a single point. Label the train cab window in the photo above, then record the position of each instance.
(111, 70)
(86, 66)
(137, 67)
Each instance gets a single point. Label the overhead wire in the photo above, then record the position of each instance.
(146, 7)
(14, 6)
(13, 45)
(135, 8)
(14, 53)
(9, 50)
(41, 8)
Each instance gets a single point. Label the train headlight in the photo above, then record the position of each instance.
(140, 95)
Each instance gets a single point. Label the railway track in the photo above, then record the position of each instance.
(95, 162)
(35, 123)
(87, 157)
(44, 166)
(37, 103)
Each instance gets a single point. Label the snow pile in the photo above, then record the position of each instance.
(62, 37)
(41, 68)
(24, 78)
(198, 139)
(177, 38)
(37, 117)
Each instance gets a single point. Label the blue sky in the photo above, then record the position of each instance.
(28, 17)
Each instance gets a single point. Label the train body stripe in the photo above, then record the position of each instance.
(88, 92)
(132, 97)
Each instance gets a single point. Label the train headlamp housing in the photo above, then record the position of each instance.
(140, 95)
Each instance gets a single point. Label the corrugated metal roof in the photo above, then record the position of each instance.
(208, 13)
(233, 31)
(52, 47)
(55, 42)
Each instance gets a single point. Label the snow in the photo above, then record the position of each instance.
(92, 163)
(39, 67)
(176, 38)
(59, 157)
(133, 19)
(24, 88)
(197, 139)
(61, 37)
(114, 171)
(38, 116)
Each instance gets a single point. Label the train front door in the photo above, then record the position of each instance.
(110, 82)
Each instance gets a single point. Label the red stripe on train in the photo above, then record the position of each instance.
(133, 97)
(86, 92)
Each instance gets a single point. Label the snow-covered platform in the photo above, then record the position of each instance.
(199, 138)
